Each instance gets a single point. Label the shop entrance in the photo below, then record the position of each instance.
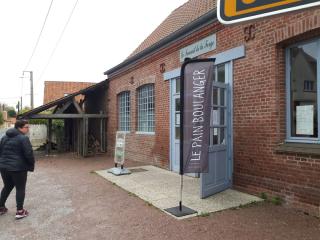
(220, 152)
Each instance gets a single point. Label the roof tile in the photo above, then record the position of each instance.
(180, 17)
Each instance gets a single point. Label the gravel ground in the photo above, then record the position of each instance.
(67, 200)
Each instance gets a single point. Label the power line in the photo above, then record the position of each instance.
(57, 43)
(5, 98)
(38, 40)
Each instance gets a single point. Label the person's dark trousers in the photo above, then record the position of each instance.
(11, 180)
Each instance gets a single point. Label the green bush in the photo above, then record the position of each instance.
(38, 121)
(12, 113)
(1, 118)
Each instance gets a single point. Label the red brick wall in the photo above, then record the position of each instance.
(258, 108)
(142, 147)
(260, 115)
(54, 90)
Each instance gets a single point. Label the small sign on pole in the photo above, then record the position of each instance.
(119, 155)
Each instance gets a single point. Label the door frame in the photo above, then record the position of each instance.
(173, 95)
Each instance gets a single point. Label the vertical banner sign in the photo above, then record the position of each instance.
(233, 11)
(196, 89)
(120, 148)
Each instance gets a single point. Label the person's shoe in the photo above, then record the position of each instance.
(21, 214)
(3, 210)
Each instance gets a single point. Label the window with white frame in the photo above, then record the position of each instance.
(145, 103)
(124, 111)
(302, 91)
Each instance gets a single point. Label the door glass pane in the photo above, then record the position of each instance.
(178, 85)
(177, 120)
(215, 116)
(214, 136)
(222, 136)
(177, 134)
(221, 73)
(178, 105)
(222, 97)
(222, 116)
(215, 96)
(303, 92)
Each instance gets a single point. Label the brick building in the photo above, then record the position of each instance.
(266, 93)
(54, 90)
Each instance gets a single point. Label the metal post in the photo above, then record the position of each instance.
(31, 90)
(181, 136)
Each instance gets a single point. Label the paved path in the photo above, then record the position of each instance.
(161, 188)
(67, 200)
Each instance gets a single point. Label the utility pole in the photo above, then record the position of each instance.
(18, 107)
(31, 88)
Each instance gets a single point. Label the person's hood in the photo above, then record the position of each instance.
(12, 132)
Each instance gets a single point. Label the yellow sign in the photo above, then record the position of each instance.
(233, 11)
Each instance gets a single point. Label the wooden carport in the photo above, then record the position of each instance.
(84, 115)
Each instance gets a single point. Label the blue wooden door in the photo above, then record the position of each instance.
(218, 177)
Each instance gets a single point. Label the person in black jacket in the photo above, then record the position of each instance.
(16, 159)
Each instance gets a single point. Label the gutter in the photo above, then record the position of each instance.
(206, 19)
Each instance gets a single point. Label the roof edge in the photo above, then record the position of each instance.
(57, 81)
(61, 100)
(210, 16)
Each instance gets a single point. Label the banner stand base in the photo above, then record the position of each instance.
(175, 211)
(119, 171)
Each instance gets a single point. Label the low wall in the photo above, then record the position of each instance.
(37, 134)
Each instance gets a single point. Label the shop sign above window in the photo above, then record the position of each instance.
(233, 11)
(203, 46)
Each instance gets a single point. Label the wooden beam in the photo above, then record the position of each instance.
(76, 104)
(56, 108)
(103, 135)
(63, 108)
(66, 115)
(49, 136)
(85, 122)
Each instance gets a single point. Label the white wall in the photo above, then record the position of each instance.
(37, 134)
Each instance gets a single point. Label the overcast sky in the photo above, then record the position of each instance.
(100, 35)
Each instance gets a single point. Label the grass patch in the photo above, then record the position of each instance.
(276, 200)
(247, 205)
(132, 194)
(204, 214)
(264, 196)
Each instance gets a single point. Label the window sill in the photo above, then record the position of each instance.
(302, 148)
(126, 132)
(145, 133)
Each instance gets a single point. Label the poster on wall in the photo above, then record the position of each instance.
(304, 116)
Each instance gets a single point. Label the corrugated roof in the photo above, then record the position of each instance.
(180, 17)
